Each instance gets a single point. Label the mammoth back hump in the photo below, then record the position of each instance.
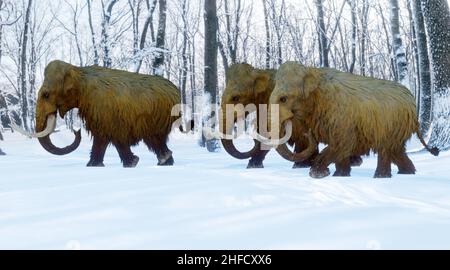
(127, 97)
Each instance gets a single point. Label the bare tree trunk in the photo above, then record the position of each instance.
(148, 23)
(323, 43)
(392, 69)
(398, 49)
(32, 75)
(425, 114)
(1, 43)
(192, 77)
(106, 20)
(228, 29)
(244, 44)
(3, 111)
(352, 4)
(277, 20)
(77, 40)
(135, 8)
(1, 32)
(267, 27)
(23, 67)
(364, 32)
(184, 68)
(158, 63)
(223, 54)
(232, 38)
(236, 33)
(74, 32)
(437, 21)
(211, 28)
(228, 44)
(91, 27)
(415, 58)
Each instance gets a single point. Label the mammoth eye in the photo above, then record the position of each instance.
(235, 98)
(46, 95)
(283, 99)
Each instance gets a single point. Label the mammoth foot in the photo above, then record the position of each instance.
(168, 162)
(339, 173)
(2, 153)
(302, 165)
(411, 171)
(255, 164)
(379, 174)
(131, 163)
(94, 163)
(355, 161)
(319, 173)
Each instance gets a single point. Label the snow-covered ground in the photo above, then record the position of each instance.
(210, 201)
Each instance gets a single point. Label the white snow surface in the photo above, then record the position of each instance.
(211, 201)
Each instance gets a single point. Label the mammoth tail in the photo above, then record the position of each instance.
(434, 151)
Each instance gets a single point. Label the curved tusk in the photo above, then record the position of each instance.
(15, 127)
(275, 142)
(50, 127)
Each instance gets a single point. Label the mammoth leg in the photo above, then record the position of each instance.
(404, 164)
(355, 161)
(383, 166)
(98, 152)
(299, 147)
(321, 163)
(257, 160)
(129, 160)
(159, 146)
(2, 153)
(343, 167)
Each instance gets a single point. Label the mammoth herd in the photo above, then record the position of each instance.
(350, 114)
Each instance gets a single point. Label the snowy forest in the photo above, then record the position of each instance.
(365, 85)
(403, 40)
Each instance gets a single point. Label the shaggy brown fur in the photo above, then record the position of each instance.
(116, 106)
(351, 114)
(247, 85)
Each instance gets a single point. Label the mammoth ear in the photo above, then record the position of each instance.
(71, 82)
(261, 81)
(310, 82)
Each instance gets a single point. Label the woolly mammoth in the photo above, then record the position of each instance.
(350, 114)
(247, 85)
(117, 107)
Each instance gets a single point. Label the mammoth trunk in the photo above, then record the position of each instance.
(44, 137)
(284, 151)
(228, 144)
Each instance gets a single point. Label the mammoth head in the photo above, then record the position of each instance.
(59, 93)
(245, 85)
(60, 89)
(295, 84)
